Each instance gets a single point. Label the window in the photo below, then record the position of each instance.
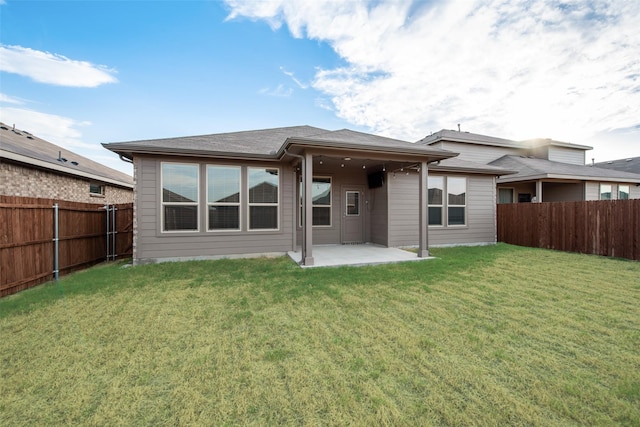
(353, 203)
(605, 191)
(96, 189)
(223, 197)
(623, 192)
(436, 199)
(505, 195)
(263, 198)
(321, 201)
(179, 197)
(456, 200)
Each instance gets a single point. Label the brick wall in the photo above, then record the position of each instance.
(17, 180)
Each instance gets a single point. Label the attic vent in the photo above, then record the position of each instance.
(17, 133)
(609, 163)
(628, 160)
(4, 128)
(74, 163)
(29, 137)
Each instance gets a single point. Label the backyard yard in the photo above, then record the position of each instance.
(499, 335)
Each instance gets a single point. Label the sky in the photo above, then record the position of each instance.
(82, 73)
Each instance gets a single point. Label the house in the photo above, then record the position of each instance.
(275, 190)
(629, 164)
(547, 170)
(33, 167)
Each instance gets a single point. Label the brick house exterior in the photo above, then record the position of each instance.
(33, 167)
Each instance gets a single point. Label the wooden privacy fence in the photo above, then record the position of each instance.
(603, 227)
(28, 238)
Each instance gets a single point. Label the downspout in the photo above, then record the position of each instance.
(304, 198)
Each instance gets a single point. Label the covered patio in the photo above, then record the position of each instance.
(355, 255)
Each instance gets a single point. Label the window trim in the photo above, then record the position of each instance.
(449, 205)
(610, 191)
(441, 205)
(249, 204)
(330, 205)
(628, 187)
(163, 203)
(102, 188)
(346, 203)
(209, 204)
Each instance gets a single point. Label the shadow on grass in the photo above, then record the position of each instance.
(280, 277)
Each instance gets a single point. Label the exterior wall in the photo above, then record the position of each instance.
(339, 177)
(379, 208)
(153, 245)
(479, 153)
(404, 209)
(593, 190)
(562, 192)
(566, 155)
(20, 180)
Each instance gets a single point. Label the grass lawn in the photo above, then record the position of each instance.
(497, 335)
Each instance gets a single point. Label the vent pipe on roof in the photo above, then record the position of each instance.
(458, 127)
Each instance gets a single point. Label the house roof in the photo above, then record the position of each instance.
(458, 165)
(532, 168)
(273, 144)
(476, 138)
(24, 147)
(630, 164)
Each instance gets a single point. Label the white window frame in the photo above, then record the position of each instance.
(628, 187)
(449, 205)
(602, 184)
(443, 215)
(250, 205)
(163, 203)
(330, 205)
(238, 204)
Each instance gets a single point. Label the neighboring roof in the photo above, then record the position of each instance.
(467, 137)
(631, 165)
(273, 144)
(458, 165)
(476, 138)
(23, 147)
(532, 168)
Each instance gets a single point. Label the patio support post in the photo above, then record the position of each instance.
(539, 191)
(307, 207)
(423, 248)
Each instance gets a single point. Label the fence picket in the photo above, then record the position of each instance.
(26, 239)
(601, 227)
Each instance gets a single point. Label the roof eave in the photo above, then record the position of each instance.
(570, 177)
(128, 151)
(59, 168)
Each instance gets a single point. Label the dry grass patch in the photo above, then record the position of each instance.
(481, 336)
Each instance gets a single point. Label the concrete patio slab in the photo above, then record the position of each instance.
(355, 255)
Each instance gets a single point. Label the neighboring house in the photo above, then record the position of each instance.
(630, 164)
(276, 190)
(33, 167)
(547, 170)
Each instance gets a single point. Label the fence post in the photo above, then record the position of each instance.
(56, 242)
(114, 251)
(106, 210)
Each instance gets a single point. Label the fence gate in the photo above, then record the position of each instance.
(112, 232)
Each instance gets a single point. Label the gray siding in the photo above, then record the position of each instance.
(562, 192)
(403, 213)
(479, 153)
(592, 190)
(566, 155)
(339, 177)
(379, 214)
(153, 245)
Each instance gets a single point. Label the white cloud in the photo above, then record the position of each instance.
(45, 67)
(293, 77)
(6, 99)
(281, 91)
(516, 69)
(58, 130)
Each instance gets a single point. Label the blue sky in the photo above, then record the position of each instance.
(80, 73)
